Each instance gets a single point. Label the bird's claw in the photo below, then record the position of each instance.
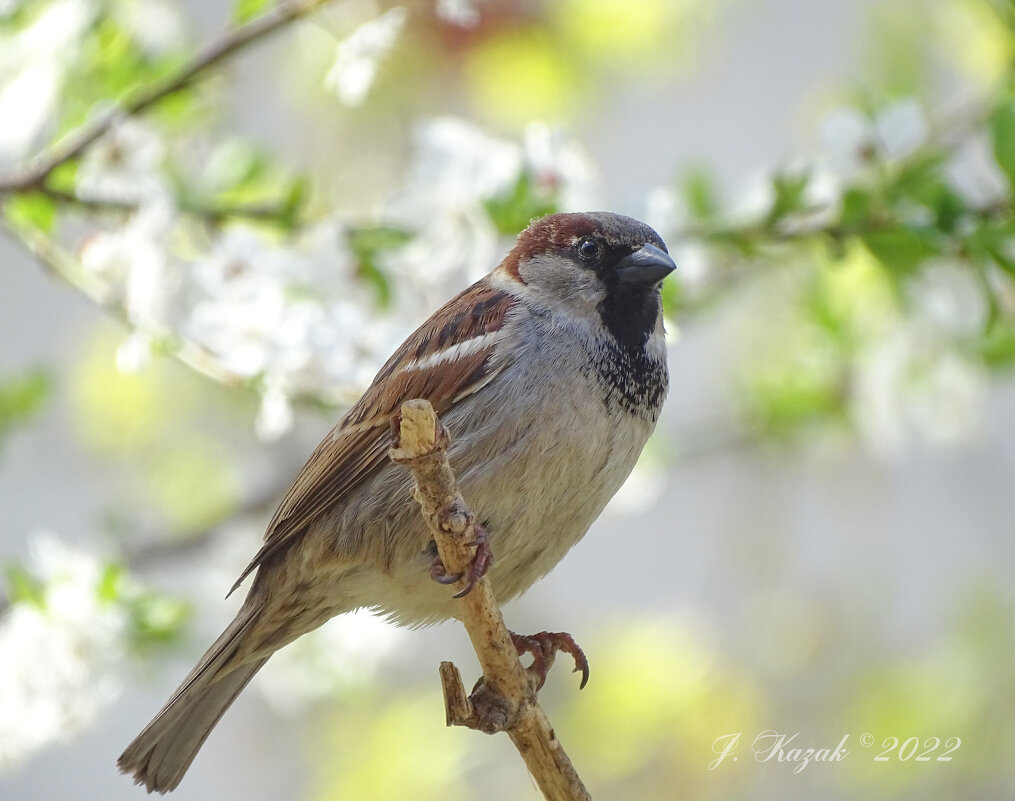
(440, 574)
(478, 568)
(481, 561)
(544, 647)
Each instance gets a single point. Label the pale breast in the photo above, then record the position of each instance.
(537, 459)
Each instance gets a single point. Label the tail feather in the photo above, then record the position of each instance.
(160, 755)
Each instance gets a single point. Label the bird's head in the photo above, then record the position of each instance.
(597, 265)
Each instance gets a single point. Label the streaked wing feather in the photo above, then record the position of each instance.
(358, 445)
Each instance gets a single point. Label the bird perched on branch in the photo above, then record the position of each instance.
(550, 373)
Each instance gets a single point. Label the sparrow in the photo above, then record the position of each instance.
(550, 373)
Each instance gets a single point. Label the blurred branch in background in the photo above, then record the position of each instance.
(76, 143)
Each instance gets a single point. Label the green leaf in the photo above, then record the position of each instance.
(700, 194)
(21, 398)
(64, 177)
(246, 10)
(1002, 130)
(789, 194)
(156, 619)
(231, 164)
(23, 587)
(32, 210)
(997, 347)
(919, 177)
(786, 400)
(856, 207)
(901, 249)
(292, 205)
(367, 244)
(515, 209)
(990, 243)
(674, 296)
(948, 209)
(111, 582)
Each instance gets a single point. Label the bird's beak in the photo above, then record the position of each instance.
(647, 266)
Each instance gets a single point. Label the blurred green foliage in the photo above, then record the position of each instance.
(382, 745)
(33, 210)
(512, 211)
(21, 398)
(166, 426)
(644, 725)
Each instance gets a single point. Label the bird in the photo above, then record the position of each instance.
(550, 373)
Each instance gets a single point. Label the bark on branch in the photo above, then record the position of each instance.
(505, 698)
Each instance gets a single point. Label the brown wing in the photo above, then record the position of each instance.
(449, 357)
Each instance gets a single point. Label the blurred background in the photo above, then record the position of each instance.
(816, 542)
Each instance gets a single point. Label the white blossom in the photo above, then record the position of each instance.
(462, 13)
(62, 658)
(28, 97)
(558, 164)
(822, 196)
(948, 297)
(901, 128)
(693, 264)
(155, 25)
(973, 173)
(457, 167)
(275, 414)
(244, 305)
(754, 200)
(125, 165)
(358, 55)
(846, 137)
(850, 137)
(33, 63)
(911, 384)
(134, 261)
(294, 314)
(135, 353)
(664, 211)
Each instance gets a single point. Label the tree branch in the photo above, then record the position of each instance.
(72, 146)
(505, 698)
(211, 213)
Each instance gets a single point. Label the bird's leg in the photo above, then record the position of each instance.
(544, 646)
(480, 564)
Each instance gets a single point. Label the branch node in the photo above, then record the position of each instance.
(492, 711)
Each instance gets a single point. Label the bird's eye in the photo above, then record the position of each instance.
(588, 250)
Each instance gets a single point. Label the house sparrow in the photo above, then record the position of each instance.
(549, 372)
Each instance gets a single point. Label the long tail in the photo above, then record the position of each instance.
(160, 755)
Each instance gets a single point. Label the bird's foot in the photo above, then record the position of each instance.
(544, 647)
(478, 568)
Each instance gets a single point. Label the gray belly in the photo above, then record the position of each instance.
(537, 454)
(536, 488)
